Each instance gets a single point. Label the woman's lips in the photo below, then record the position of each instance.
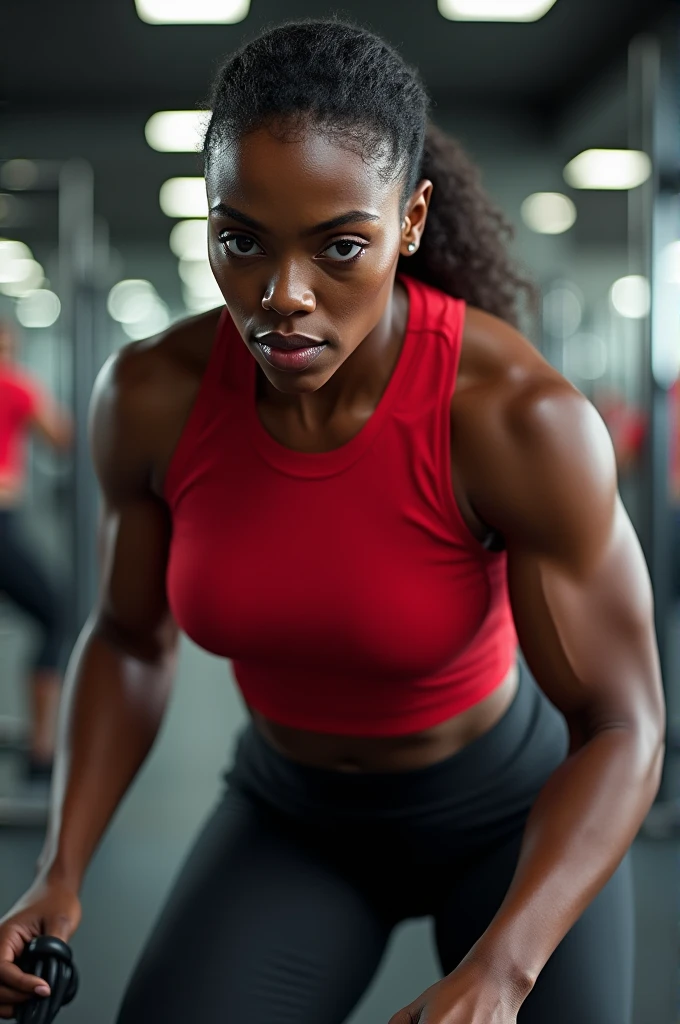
(290, 352)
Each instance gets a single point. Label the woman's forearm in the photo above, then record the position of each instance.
(111, 711)
(583, 822)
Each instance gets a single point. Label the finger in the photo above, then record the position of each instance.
(17, 938)
(7, 1013)
(10, 995)
(14, 977)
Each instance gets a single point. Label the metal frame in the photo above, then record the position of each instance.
(83, 259)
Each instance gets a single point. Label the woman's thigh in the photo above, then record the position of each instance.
(259, 927)
(589, 977)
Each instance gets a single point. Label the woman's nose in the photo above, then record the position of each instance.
(287, 293)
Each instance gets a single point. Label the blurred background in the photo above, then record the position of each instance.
(571, 110)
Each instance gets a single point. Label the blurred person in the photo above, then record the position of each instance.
(27, 408)
(359, 482)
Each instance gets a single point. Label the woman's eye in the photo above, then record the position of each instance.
(344, 251)
(241, 245)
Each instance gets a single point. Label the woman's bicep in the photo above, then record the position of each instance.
(587, 631)
(579, 586)
(134, 524)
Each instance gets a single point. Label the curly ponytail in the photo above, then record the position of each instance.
(353, 85)
(463, 249)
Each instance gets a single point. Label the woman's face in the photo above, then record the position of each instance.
(304, 239)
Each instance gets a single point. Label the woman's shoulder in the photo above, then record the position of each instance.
(145, 390)
(155, 376)
(511, 407)
(174, 357)
(499, 365)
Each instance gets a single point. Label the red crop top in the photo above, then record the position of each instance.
(19, 400)
(345, 586)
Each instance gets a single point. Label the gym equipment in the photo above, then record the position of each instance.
(51, 959)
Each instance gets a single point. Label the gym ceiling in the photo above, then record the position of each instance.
(81, 77)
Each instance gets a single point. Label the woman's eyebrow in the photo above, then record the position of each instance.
(344, 218)
(223, 210)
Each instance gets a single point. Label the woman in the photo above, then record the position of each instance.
(349, 481)
(25, 406)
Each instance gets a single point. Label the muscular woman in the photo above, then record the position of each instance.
(26, 407)
(359, 482)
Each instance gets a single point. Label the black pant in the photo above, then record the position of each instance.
(282, 913)
(24, 582)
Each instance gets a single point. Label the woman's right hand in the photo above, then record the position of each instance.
(47, 908)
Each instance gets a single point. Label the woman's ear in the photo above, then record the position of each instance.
(413, 224)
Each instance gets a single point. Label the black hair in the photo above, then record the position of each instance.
(353, 86)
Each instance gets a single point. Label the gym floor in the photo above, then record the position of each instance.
(135, 864)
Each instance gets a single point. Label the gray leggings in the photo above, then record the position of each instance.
(25, 583)
(283, 910)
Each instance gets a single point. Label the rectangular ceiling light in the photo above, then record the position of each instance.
(189, 239)
(608, 169)
(494, 10)
(184, 197)
(192, 12)
(177, 131)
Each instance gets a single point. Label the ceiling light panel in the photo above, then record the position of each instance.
(21, 277)
(192, 12)
(494, 10)
(189, 239)
(608, 169)
(184, 197)
(631, 296)
(40, 308)
(10, 252)
(131, 300)
(548, 213)
(177, 131)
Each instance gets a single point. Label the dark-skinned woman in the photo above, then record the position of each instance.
(359, 482)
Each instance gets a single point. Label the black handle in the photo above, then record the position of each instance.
(50, 959)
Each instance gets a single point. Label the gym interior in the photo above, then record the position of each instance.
(572, 115)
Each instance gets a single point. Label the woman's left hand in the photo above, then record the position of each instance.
(469, 995)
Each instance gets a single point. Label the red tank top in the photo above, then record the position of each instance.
(19, 398)
(345, 586)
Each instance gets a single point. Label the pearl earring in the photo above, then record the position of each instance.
(412, 246)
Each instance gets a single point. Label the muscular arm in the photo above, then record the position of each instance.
(121, 670)
(542, 473)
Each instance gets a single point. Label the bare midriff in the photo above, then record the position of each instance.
(390, 753)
